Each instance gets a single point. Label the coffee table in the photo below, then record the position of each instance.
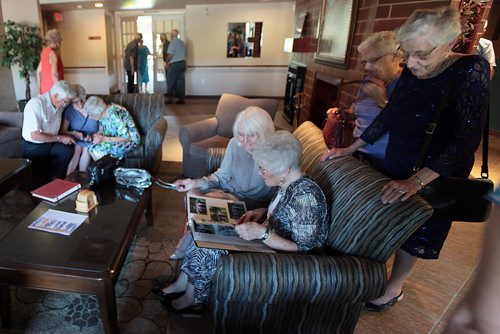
(87, 261)
(12, 173)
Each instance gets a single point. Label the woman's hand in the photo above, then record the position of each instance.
(399, 190)
(250, 230)
(377, 93)
(98, 138)
(185, 185)
(336, 153)
(78, 135)
(252, 216)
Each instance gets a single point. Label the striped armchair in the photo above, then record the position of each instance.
(290, 293)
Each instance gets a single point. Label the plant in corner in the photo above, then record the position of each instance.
(20, 46)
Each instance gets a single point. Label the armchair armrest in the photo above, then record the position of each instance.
(153, 145)
(197, 131)
(11, 118)
(297, 278)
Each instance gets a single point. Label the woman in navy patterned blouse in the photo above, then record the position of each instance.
(427, 38)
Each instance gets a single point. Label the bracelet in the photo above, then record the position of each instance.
(265, 235)
(419, 181)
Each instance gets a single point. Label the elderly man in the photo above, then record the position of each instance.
(131, 61)
(176, 63)
(42, 142)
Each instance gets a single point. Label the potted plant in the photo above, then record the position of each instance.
(21, 45)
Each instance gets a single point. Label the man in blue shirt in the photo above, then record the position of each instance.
(176, 64)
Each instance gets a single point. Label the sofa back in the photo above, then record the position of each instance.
(145, 109)
(230, 105)
(360, 225)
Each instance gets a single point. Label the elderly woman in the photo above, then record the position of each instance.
(432, 69)
(50, 68)
(296, 221)
(381, 58)
(238, 176)
(78, 124)
(117, 133)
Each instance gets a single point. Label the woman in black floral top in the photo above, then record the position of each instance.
(296, 221)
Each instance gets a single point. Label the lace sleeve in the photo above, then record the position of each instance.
(463, 119)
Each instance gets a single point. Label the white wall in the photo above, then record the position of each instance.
(85, 58)
(206, 39)
(30, 13)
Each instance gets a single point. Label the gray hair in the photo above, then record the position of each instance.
(80, 92)
(52, 36)
(278, 152)
(253, 121)
(444, 23)
(384, 42)
(95, 106)
(63, 89)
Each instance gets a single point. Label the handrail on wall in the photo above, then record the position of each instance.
(84, 67)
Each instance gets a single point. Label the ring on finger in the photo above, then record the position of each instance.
(401, 191)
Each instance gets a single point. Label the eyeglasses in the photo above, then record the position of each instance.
(422, 55)
(262, 170)
(373, 60)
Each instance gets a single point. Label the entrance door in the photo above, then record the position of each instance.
(129, 31)
(163, 24)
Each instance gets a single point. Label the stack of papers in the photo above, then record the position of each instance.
(56, 221)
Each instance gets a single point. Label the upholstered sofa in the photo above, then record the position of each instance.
(196, 138)
(11, 123)
(298, 293)
(147, 112)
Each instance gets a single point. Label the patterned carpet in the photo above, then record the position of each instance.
(147, 264)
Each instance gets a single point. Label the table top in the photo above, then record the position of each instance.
(10, 167)
(94, 247)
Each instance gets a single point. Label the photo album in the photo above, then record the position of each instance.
(213, 220)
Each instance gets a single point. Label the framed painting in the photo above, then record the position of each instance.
(335, 31)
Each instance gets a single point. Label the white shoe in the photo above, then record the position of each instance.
(176, 256)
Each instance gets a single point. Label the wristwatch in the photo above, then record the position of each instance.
(265, 235)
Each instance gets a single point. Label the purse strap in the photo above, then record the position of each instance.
(432, 126)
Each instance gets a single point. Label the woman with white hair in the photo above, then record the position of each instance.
(238, 176)
(117, 133)
(435, 80)
(78, 124)
(296, 221)
(50, 68)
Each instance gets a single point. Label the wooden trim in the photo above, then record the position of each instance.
(84, 67)
(244, 66)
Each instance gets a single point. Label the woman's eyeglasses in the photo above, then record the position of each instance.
(262, 170)
(422, 55)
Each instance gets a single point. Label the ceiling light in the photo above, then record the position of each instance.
(79, 6)
(98, 4)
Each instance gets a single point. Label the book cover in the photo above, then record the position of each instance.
(56, 190)
(60, 222)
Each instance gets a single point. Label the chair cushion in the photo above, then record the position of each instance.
(8, 133)
(214, 141)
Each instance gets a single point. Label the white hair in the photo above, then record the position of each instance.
(443, 24)
(63, 90)
(95, 106)
(383, 42)
(253, 121)
(80, 91)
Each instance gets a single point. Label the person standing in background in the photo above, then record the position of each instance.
(131, 61)
(176, 63)
(164, 48)
(143, 67)
(50, 68)
(485, 49)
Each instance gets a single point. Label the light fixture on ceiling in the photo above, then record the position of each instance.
(99, 4)
(79, 6)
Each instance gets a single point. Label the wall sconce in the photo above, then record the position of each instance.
(288, 47)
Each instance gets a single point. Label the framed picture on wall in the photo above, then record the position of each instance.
(335, 31)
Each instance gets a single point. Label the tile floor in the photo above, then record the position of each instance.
(435, 287)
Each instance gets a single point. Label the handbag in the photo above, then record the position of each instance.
(338, 129)
(101, 170)
(454, 198)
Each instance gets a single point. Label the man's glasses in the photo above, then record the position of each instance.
(373, 60)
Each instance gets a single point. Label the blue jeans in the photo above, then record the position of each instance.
(49, 160)
(175, 81)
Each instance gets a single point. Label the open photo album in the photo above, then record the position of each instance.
(212, 222)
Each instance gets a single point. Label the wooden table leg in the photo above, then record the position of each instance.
(107, 306)
(149, 207)
(5, 305)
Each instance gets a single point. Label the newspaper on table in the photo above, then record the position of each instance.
(212, 222)
(60, 222)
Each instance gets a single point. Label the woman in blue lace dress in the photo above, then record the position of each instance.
(296, 221)
(117, 133)
(427, 38)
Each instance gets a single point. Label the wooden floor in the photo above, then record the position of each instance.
(434, 288)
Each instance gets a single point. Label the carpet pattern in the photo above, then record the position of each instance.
(146, 265)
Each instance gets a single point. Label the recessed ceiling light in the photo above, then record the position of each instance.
(79, 6)
(99, 4)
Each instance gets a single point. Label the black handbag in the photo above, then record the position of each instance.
(101, 170)
(454, 198)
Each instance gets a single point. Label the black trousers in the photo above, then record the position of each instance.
(130, 82)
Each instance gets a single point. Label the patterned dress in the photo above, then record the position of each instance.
(116, 123)
(300, 215)
(411, 107)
